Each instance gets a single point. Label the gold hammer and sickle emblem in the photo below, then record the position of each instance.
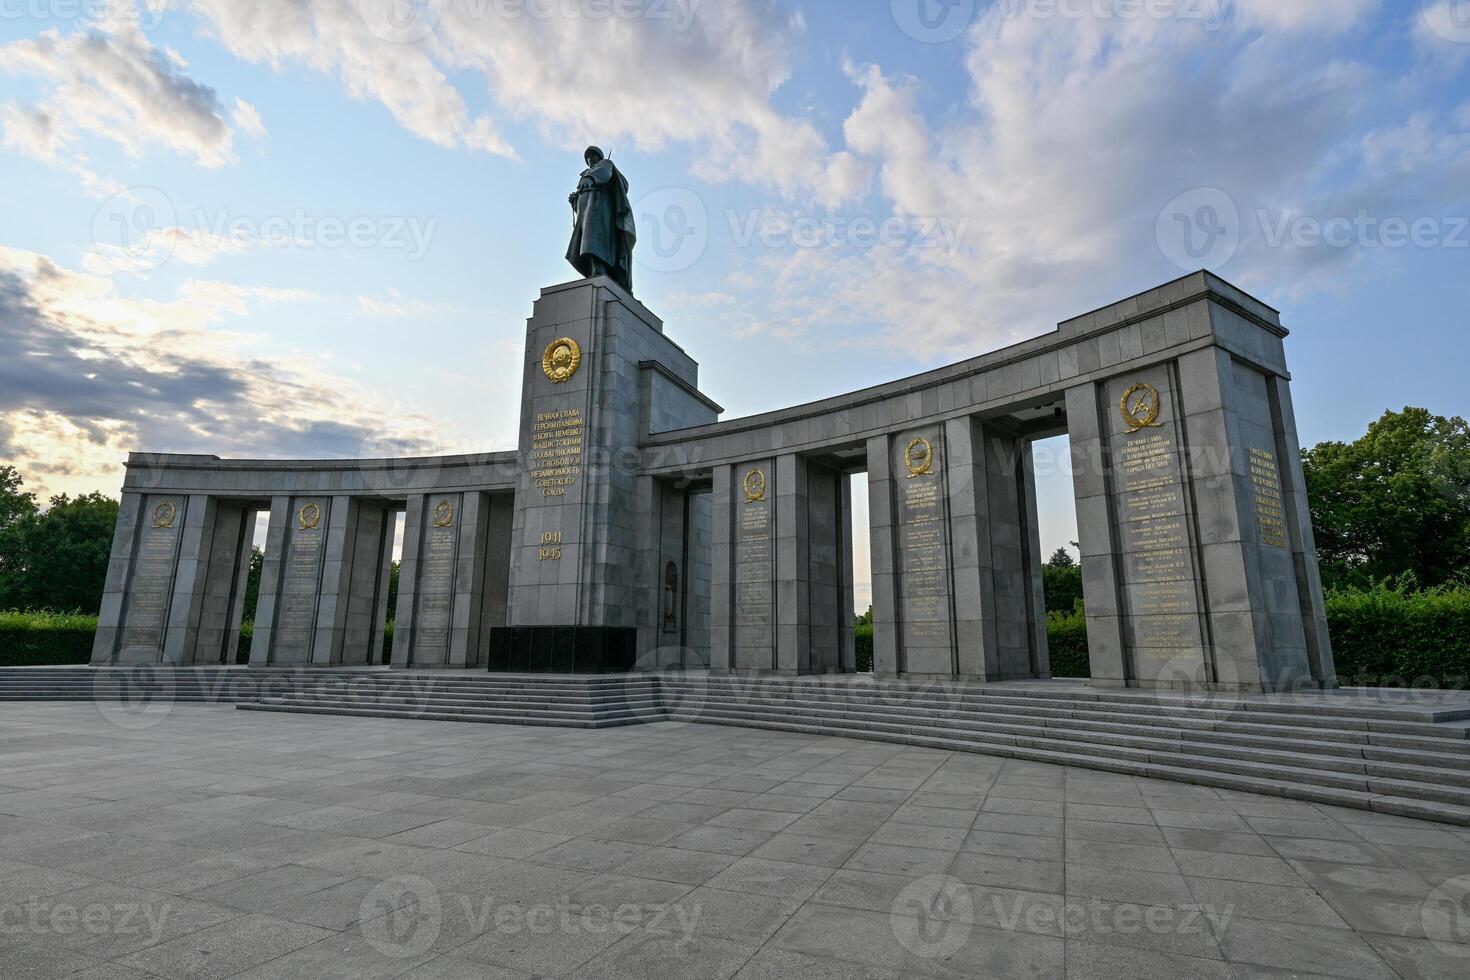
(561, 360)
(309, 516)
(444, 514)
(755, 486)
(1140, 406)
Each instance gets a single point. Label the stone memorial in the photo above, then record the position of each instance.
(633, 530)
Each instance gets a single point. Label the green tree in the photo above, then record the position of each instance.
(866, 619)
(1062, 582)
(66, 550)
(17, 513)
(252, 584)
(1395, 501)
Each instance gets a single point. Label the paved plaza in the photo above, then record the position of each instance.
(204, 842)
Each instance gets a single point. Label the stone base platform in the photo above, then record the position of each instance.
(1400, 752)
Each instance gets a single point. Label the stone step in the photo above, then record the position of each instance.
(651, 708)
(482, 716)
(1314, 769)
(1450, 745)
(1295, 722)
(1259, 781)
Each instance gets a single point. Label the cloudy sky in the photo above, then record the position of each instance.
(315, 227)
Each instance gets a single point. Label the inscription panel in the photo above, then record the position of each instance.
(1266, 487)
(301, 582)
(923, 555)
(1160, 593)
(754, 535)
(152, 580)
(433, 618)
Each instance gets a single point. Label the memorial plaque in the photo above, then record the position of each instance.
(1160, 596)
(301, 581)
(755, 567)
(1270, 509)
(433, 618)
(152, 577)
(923, 554)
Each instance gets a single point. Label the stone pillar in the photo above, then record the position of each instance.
(1097, 537)
(883, 557)
(826, 527)
(793, 584)
(469, 581)
(500, 513)
(722, 574)
(271, 571)
(334, 586)
(408, 572)
(381, 611)
(218, 631)
(698, 581)
(438, 588)
(119, 572)
(754, 491)
(1040, 666)
(304, 529)
(365, 575)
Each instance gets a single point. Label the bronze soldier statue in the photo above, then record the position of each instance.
(604, 234)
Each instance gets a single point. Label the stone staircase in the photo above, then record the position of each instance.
(571, 702)
(1346, 750)
(1390, 752)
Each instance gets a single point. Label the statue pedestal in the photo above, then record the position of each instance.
(591, 539)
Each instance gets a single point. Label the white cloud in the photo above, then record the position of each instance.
(91, 374)
(393, 304)
(106, 79)
(247, 119)
(695, 73)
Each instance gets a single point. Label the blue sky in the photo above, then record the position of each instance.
(307, 228)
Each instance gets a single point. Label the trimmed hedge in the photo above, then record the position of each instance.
(863, 635)
(43, 639)
(1394, 636)
(1066, 638)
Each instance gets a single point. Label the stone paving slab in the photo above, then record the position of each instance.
(206, 842)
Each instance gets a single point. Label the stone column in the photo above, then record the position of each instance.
(469, 581)
(119, 572)
(339, 555)
(496, 587)
(755, 488)
(271, 570)
(1097, 537)
(722, 575)
(224, 585)
(408, 571)
(793, 585)
(883, 557)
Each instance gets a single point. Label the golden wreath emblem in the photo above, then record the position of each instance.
(309, 516)
(1140, 406)
(919, 457)
(755, 486)
(561, 360)
(164, 514)
(444, 514)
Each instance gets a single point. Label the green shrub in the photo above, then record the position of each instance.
(863, 634)
(1066, 637)
(1392, 635)
(36, 639)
